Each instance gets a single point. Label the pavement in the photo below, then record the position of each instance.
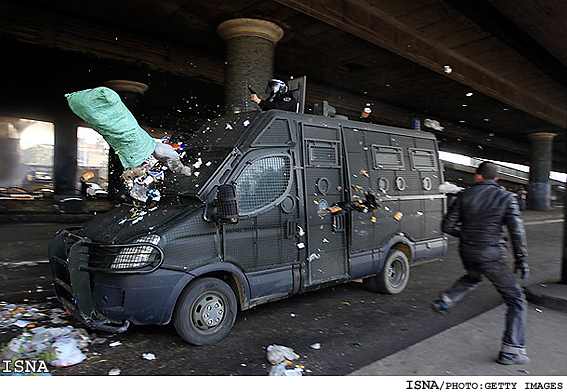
(471, 348)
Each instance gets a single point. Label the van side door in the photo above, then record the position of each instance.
(324, 186)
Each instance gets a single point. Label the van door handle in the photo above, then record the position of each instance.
(292, 228)
(338, 223)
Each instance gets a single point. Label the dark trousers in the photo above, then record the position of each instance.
(501, 276)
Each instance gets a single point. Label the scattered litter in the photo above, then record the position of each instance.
(523, 371)
(293, 372)
(22, 323)
(277, 354)
(292, 315)
(278, 370)
(398, 216)
(59, 346)
(280, 357)
(538, 310)
(115, 344)
(99, 341)
(301, 245)
(114, 372)
(434, 124)
(149, 356)
(313, 256)
(447, 187)
(346, 303)
(67, 352)
(316, 346)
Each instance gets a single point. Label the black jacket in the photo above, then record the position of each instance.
(279, 101)
(478, 216)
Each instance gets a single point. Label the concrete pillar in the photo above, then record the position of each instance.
(65, 156)
(131, 94)
(539, 188)
(250, 48)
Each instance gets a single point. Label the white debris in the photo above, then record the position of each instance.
(62, 345)
(149, 356)
(316, 346)
(277, 354)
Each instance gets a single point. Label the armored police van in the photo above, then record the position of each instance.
(282, 203)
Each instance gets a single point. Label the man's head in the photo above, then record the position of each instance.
(486, 171)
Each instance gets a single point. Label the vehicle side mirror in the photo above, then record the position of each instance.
(227, 207)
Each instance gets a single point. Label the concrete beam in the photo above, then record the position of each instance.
(370, 23)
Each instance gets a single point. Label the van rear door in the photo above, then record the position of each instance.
(324, 186)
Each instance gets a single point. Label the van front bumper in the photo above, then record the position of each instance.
(110, 299)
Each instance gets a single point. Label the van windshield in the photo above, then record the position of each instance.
(206, 149)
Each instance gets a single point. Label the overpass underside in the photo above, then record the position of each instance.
(489, 76)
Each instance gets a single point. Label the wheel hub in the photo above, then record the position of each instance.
(395, 273)
(208, 311)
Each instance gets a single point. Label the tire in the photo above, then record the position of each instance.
(394, 276)
(205, 311)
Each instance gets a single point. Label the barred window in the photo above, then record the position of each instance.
(386, 157)
(262, 183)
(322, 154)
(423, 159)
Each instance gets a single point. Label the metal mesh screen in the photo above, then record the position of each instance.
(261, 183)
(277, 134)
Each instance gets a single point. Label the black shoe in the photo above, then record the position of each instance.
(512, 359)
(440, 306)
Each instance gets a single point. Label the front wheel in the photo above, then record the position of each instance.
(394, 275)
(205, 312)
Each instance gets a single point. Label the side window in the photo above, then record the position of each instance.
(386, 157)
(423, 159)
(263, 182)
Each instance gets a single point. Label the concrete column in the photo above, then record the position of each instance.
(250, 48)
(539, 188)
(131, 94)
(65, 156)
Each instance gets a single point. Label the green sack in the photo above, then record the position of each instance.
(102, 109)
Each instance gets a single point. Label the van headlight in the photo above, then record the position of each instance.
(138, 256)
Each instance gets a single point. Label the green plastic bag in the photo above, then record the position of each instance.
(102, 109)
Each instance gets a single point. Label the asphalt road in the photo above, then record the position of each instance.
(353, 325)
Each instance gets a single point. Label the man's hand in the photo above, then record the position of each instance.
(522, 266)
(255, 98)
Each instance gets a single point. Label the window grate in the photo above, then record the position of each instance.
(262, 183)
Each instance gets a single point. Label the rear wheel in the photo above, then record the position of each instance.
(205, 312)
(394, 275)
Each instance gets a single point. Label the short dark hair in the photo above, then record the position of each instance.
(487, 170)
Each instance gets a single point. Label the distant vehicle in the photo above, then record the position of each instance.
(257, 225)
(38, 176)
(95, 191)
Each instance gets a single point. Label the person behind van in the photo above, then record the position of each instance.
(477, 217)
(280, 98)
(522, 197)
